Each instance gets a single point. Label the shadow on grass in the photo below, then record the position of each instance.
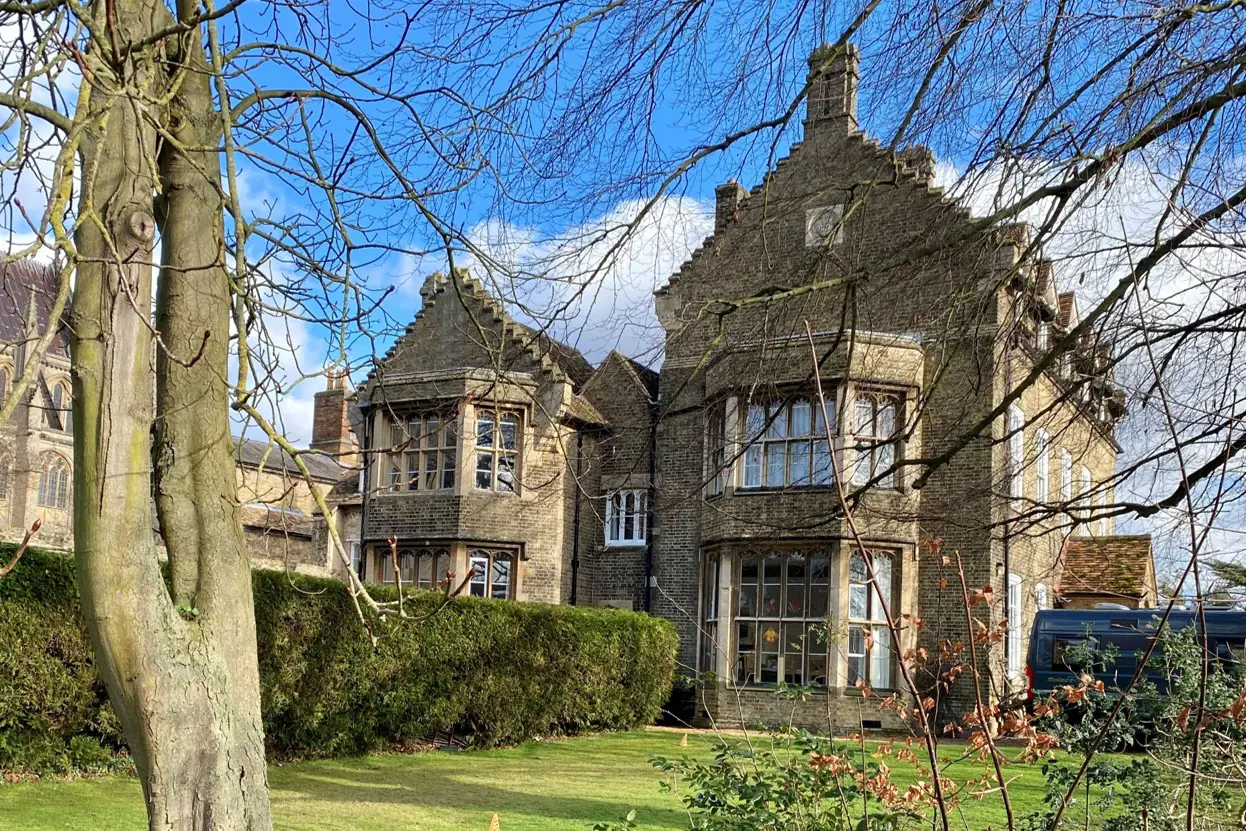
(438, 790)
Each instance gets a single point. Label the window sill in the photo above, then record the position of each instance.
(797, 490)
(392, 493)
(626, 544)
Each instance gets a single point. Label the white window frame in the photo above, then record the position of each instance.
(355, 549)
(627, 517)
(1042, 472)
(1015, 662)
(484, 565)
(1016, 452)
(824, 226)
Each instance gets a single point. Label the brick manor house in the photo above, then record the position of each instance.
(706, 493)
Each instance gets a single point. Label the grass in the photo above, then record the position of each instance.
(540, 786)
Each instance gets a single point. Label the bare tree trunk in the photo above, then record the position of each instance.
(181, 670)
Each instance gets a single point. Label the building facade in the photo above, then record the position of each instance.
(832, 440)
(281, 521)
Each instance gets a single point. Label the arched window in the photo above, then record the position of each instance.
(58, 412)
(54, 482)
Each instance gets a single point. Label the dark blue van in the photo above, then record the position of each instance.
(1052, 661)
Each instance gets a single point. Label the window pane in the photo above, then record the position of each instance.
(796, 585)
(430, 470)
(817, 600)
(756, 422)
(769, 670)
(777, 416)
(885, 457)
(880, 658)
(506, 473)
(480, 575)
(856, 641)
(817, 668)
(823, 470)
(886, 419)
(776, 463)
(412, 480)
(501, 581)
(799, 470)
(793, 649)
(484, 430)
(443, 567)
(752, 467)
(857, 572)
(484, 471)
(771, 588)
(448, 461)
(431, 435)
(748, 600)
(882, 573)
(864, 417)
(510, 428)
(800, 417)
(858, 601)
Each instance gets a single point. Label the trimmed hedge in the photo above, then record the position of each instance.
(491, 671)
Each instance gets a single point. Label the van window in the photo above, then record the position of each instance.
(1070, 653)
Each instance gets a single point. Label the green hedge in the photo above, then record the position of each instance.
(491, 671)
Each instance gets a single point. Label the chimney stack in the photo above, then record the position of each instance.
(331, 421)
(727, 199)
(920, 160)
(832, 79)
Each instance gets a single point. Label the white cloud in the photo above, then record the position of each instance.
(591, 285)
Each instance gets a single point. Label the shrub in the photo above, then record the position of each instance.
(492, 672)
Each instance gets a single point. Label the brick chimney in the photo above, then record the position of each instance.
(727, 199)
(832, 79)
(331, 421)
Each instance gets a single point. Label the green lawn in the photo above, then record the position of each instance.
(547, 785)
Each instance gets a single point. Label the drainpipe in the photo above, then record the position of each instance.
(575, 522)
(650, 501)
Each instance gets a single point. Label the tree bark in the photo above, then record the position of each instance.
(179, 664)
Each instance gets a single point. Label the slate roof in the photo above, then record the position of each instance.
(648, 378)
(254, 452)
(1119, 566)
(18, 281)
(277, 521)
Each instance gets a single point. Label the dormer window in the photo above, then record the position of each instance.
(824, 227)
(497, 451)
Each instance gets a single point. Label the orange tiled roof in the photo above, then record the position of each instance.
(1118, 565)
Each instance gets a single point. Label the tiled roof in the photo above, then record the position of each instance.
(274, 520)
(18, 281)
(1119, 566)
(581, 410)
(254, 452)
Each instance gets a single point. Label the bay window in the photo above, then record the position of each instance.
(875, 438)
(869, 636)
(786, 445)
(780, 620)
(626, 517)
(497, 451)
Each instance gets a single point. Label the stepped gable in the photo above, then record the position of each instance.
(555, 358)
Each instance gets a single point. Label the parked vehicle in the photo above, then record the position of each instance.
(1060, 637)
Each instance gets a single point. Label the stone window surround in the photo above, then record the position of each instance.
(375, 553)
(733, 409)
(465, 448)
(727, 555)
